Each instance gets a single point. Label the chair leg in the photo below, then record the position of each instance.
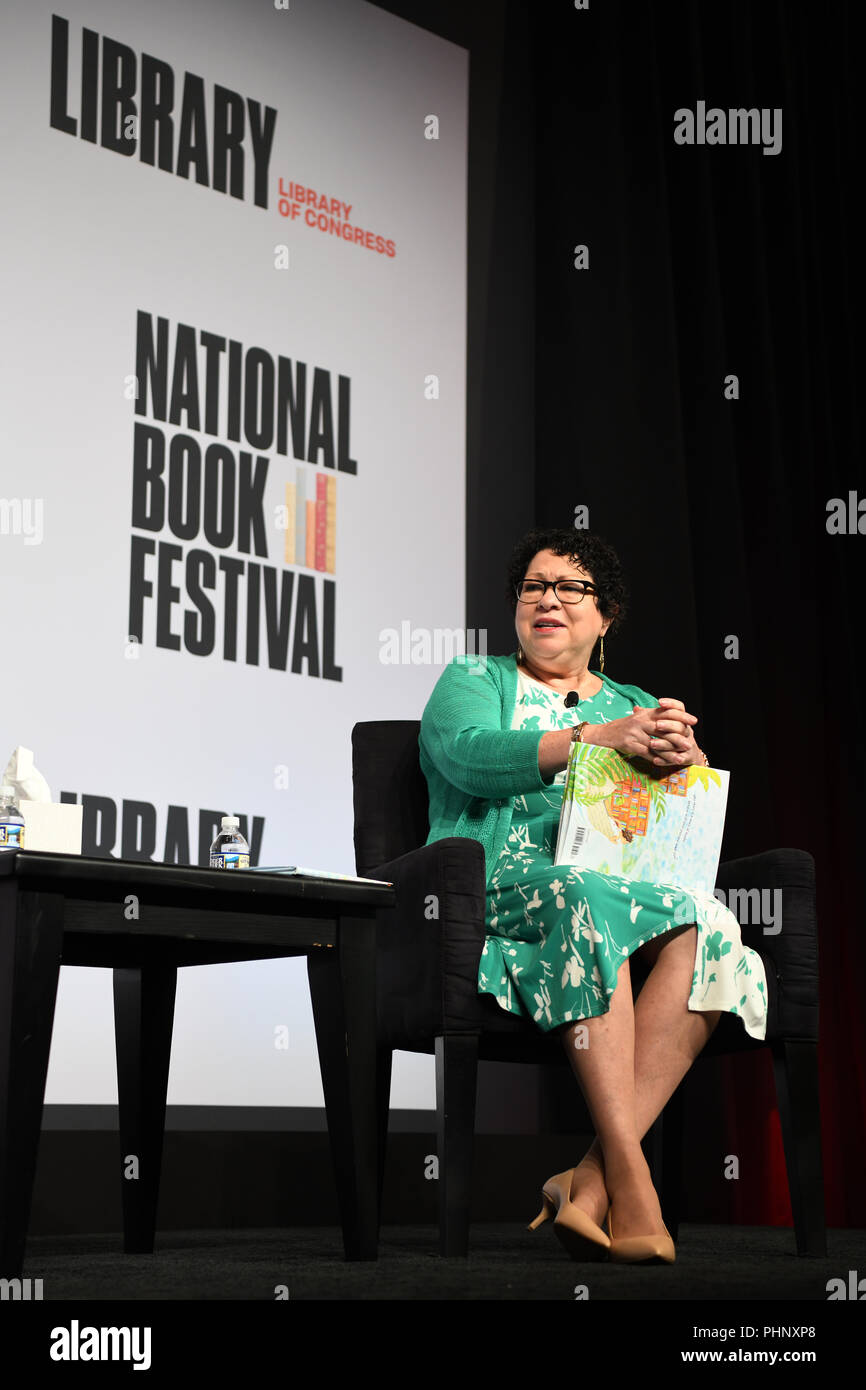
(796, 1069)
(456, 1087)
(663, 1150)
(384, 1058)
(653, 1150)
(670, 1193)
(143, 1019)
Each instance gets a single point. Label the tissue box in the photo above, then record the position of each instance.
(50, 826)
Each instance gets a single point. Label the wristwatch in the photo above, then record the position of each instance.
(577, 732)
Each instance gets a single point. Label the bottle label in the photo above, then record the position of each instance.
(230, 859)
(11, 835)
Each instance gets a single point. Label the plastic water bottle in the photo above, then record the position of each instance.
(229, 850)
(11, 821)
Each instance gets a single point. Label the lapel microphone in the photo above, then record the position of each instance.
(572, 699)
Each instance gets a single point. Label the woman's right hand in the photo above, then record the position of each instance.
(631, 735)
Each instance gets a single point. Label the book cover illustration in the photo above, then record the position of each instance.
(620, 820)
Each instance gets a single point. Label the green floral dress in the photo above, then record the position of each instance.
(558, 935)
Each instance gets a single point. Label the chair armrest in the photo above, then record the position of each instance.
(772, 895)
(428, 946)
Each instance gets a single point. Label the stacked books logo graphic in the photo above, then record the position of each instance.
(311, 513)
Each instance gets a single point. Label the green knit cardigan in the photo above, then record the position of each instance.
(474, 762)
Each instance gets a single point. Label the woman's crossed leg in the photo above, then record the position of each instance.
(629, 1062)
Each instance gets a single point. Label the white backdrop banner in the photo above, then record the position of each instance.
(233, 472)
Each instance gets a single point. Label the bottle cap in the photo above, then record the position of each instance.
(230, 822)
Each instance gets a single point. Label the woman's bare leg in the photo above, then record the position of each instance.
(602, 1058)
(640, 1059)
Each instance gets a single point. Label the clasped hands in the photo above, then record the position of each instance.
(669, 726)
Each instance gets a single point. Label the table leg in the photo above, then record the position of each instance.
(343, 992)
(143, 1019)
(31, 942)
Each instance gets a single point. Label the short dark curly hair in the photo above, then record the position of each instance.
(590, 552)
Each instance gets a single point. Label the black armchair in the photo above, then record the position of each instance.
(428, 951)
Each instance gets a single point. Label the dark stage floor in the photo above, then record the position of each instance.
(506, 1262)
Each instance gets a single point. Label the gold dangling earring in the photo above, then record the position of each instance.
(602, 651)
(519, 654)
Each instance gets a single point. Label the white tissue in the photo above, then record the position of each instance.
(27, 783)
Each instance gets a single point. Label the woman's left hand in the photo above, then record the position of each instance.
(673, 744)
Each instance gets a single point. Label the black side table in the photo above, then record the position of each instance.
(58, 909)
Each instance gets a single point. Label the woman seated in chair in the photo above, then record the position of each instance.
(495, 740)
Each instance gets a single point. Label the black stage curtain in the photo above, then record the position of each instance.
(707, 261)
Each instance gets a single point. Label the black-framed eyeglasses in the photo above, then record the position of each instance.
(566, 590)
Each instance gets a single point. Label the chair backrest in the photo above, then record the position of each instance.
(390, 792)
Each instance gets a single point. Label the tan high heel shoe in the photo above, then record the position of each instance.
(577, 1232)
(641, 1249)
